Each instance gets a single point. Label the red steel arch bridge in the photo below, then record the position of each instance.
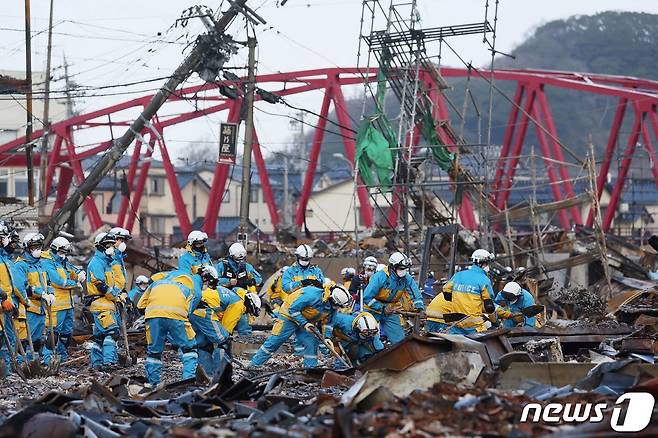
(636, 100)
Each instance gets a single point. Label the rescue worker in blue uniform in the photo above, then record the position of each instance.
(215, 319)
(235, 273)
(358, 335)
(9, 298)
(167, 305)
(302, 273)
(65, 279)
(102, 297)
(298, 316)
(32, 281)
(195, 253)
(509, 304)
(469, 292)
(299, 274)
(385, 293)
(122, 237)
(141, 284)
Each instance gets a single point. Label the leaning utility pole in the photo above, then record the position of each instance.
(114, 154)
(46, 122)
(248, 141)
(28, 98)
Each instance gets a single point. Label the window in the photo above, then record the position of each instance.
(253, 193)
(157, 186)
(4, 182)
(20, 184)
(227, 196)
(157, 225)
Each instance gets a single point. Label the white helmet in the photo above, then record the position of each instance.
(209, 274)
(512, 291)
(33, 239)
(102, 239)
(340, 297)
(252, 302)
(370, 263)
(61, 244)
(304, 253)
(197, 237)
(365, 325)
(347, 272)
(481, 256)
(141, 279)
(237, 252)
(397, 260)
(121, 233)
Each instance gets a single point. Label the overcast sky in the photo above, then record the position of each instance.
(114, 42)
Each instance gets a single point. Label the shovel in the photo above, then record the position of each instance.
(52, 368)
(12, 354)
(35, 367)
(25, 366)
(330, 347)
(533, 310)
(130, 359)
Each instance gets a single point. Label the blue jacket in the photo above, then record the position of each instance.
(29, 271)
(101, 284)
(356, 347)
(229, 268)
(292, 278)
(191, 260)
(174, 296)
(135, 294)
(8, 279)
(308, 304)
(525, 300)
(427, 287)
(384, 289)
(63, 276)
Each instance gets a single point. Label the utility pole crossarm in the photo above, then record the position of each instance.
(114, 154)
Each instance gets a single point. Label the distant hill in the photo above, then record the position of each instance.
(619, 43)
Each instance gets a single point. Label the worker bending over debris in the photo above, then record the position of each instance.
(241, 277)
(385, 292)
(102, 296)
(299, 315)
(167, 305)
(135, 294)
(215, 319)
(509, 304)
(469, 292)
(32, 281)
(357, 335)
(195, 253)
(65, 279)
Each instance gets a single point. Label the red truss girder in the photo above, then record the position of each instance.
(532, 108)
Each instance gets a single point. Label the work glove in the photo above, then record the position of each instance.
(518, 318)
(122, 298)
(8, 305)
(312, 282)
(82, 276)
(310, 327)
(48, 299)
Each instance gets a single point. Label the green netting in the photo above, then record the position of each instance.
(373, 150)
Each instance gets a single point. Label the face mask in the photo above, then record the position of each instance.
(401, 272)
(303, 263)
(486, 268)
(143, 286)
(121, 247)
(5, 241)
(109, 251)
(36, 253)
(62, 255)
